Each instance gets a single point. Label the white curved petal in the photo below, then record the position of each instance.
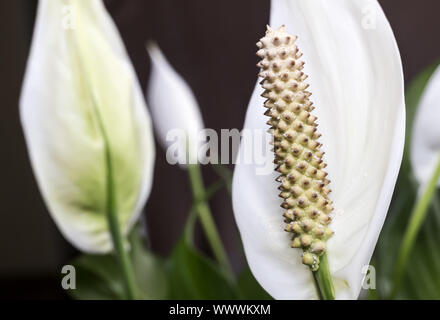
(355, 76)
(78, 75)
(425, 141)
(173, 106)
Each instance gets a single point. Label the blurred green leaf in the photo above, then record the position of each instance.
(193, 276)
(151, 276)
(99, 277)
(422, 279)
(249, 288)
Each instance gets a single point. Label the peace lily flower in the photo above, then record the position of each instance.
(86, 126)
(425, 141)
(356, 78)
(174, 109)
(179, 126)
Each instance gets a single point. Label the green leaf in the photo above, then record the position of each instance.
(193, 276)
(99, 276)
(422, 279)
(151, 277)
(249, 288)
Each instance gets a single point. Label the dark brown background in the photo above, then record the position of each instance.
(211, 43)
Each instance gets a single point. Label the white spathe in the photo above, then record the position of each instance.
(425, 140)
(174, 110)
(355, 75)
(80, 94)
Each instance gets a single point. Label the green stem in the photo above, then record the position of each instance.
(224, 173)
(114, 225)
(189, 226)
(122, 254)
(205, 215)
(111, 204)
(323, 280)
(416, 219)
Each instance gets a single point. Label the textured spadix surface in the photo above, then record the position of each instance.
(425, 142)
(355, 76)
(80, 90)
(298, 154)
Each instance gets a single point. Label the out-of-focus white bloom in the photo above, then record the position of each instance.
(174, 109)
(355, 75)
(425, 140)
(85, 122)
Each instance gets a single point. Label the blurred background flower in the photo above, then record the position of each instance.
(173, 107)
(425, 140)
(213, 48)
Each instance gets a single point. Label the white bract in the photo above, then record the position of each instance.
(425, 140)
(80, 100)
(176, 114)
(355, 75)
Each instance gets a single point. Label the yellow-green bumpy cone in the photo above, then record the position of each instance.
(298, 158)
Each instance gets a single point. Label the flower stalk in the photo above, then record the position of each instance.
(118, 239)
(323, 280)
(205, 215)
(120, 249)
